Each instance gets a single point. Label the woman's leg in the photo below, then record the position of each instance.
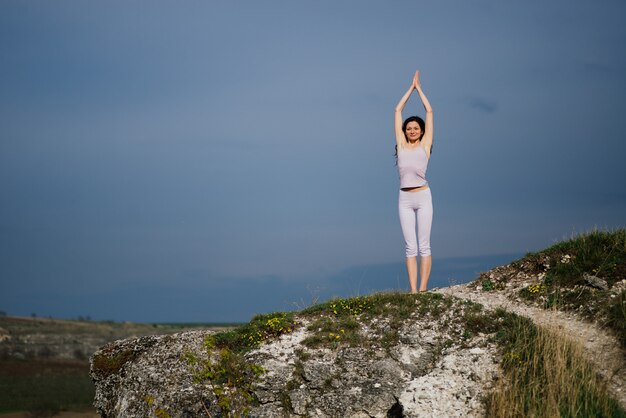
(411, 269)
(426, 263)
(407, 222)
(424, 223)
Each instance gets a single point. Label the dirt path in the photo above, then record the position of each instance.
(604, 351)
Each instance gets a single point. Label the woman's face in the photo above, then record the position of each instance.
(413, 131)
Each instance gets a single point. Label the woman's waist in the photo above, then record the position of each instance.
(414, 189)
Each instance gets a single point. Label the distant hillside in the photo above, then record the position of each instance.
(45, 338)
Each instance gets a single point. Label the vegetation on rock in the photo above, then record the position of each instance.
(259, 330)
(231, 377)
(585, 275)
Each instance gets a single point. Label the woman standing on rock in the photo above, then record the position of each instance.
(414, 141)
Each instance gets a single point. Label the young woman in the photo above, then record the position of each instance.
(414, 141)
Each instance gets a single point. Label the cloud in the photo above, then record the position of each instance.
(482, 104)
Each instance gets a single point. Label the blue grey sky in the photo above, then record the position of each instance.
(208, 160)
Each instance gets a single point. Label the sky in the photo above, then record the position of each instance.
(205, 161)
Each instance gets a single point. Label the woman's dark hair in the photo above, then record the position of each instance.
(422, 125)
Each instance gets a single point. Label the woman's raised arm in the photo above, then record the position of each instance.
(427, 139)
(400, 138)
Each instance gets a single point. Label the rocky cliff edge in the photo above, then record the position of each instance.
(384, 355)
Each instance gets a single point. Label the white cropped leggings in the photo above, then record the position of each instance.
(412, 205)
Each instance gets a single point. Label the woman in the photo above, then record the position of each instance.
(414, 141)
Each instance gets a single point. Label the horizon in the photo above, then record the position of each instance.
(351, 282)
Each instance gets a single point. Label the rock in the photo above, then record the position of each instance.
(596, 282)
(139, 377)
(416, 375)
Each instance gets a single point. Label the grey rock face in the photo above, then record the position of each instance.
(140, 377)
(596, 282)
(428, 371)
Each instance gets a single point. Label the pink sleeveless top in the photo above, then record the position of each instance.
(412, 165)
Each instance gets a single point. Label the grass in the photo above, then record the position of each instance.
(44, 388)
(562, 271)
(341, 321)
(616, 317)
(545, 375)
(260, 329)
(337, 322)
(598, 253)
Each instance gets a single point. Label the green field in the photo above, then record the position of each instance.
(44, 363)
(45, 387)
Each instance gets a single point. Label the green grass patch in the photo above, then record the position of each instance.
(598, 253)
(487, 285)
(616, 316)
(44, 387)
(259, 330)
(568, 264)
(328, 331)
(341, 321)
(391, 305)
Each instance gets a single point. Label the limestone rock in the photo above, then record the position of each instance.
(138, 377)
(596, 282)
(424, 372)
